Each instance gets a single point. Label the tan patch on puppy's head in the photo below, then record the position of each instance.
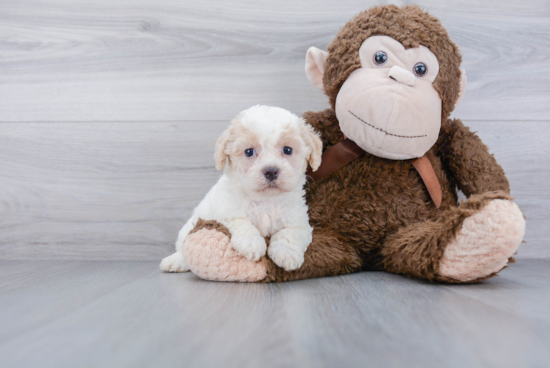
(313, 141)
(219, 154)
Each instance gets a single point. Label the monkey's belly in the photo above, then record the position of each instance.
(372, 198)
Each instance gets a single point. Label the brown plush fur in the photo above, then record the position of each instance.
(416, 249)
(210, 225)
(380, 205)
(380, 209)
(374, 213)
(330, 257)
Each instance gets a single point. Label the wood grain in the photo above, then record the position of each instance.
(119, 191)
(522, 149)
(171, 61)
(111, 112)
(108, 191)
(122, 314)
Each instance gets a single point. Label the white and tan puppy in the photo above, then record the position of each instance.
(264, 153)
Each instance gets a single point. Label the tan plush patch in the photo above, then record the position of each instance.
(485, 242)
(386, 109)
(211, 257)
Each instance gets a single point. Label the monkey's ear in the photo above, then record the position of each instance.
(315, 66)
(219, 155)
(462, 86)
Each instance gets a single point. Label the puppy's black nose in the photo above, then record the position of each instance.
(271, 173)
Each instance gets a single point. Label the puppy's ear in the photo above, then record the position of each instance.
(219, 155)
(311, 137)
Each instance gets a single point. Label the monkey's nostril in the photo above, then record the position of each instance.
(271, 173)
(393, 78)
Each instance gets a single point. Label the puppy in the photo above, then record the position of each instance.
(265, 153)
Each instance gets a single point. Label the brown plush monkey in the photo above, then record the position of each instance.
(392, 77)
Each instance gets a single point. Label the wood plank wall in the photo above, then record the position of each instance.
(109, 110)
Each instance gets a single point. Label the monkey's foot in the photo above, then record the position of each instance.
(211, 256)
(485, 242)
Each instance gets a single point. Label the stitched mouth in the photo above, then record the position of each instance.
(388, 133)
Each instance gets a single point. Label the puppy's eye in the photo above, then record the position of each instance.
(287, 151)
(420, 69)
(380, 57)
(249, 152)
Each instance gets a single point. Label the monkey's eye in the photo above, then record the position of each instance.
(287, 151)
(249, 152)
(420, 69)
(380, 57)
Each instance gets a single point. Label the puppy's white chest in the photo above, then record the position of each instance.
(267, 217)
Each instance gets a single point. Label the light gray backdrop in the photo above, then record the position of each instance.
(109, 110)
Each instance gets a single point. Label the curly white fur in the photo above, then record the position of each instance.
(249, 204)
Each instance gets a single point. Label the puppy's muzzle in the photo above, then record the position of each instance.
(271, 173)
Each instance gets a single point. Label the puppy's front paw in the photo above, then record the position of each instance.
(285, 254)
(252, 247)
(174, 263)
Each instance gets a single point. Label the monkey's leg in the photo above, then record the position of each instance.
(465, 244)
(325, 256)
(210, 255)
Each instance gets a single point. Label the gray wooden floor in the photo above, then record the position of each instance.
(128, 314)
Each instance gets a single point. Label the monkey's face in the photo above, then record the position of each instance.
(389, 106)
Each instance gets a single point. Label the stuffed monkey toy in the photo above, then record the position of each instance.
(385, 197)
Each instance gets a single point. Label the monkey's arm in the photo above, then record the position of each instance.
(468, 160)
(326, 123)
